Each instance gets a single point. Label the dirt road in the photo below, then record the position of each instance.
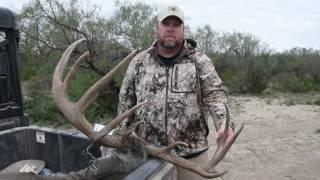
(279, 141)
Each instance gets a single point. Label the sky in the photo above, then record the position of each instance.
(282, 24)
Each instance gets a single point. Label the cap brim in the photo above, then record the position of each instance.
(165, 17)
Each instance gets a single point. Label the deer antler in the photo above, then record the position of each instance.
(205, 170)
(75, 113)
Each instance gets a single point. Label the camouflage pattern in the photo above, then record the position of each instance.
(173, 112)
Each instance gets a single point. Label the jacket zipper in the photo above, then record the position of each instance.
(166, 105)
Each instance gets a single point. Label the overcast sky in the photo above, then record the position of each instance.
(283, 24)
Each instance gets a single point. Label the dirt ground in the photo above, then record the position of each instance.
(279, 141)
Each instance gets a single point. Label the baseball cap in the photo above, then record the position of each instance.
(172, 10)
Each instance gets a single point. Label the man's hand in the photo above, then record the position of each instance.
(220, 134)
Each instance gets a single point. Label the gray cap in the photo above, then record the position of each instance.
(171, 11)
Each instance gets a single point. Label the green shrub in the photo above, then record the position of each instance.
(41, 109)
(286, 82)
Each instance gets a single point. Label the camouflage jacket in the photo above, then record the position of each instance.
(173, 112)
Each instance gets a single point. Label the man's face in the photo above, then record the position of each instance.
(170, 32)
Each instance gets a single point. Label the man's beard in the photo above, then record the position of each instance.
(168, 44)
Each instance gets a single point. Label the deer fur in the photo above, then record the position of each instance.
(114, 164)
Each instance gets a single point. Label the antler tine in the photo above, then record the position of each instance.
(58, 88)
(223, 146)
(89, 97)
(103, 132)
(179, 161)
(74, 68)
(59, 93)
(218, 156)
(58, 73)
(226, 147)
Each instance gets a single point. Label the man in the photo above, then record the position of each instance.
(180, 84)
